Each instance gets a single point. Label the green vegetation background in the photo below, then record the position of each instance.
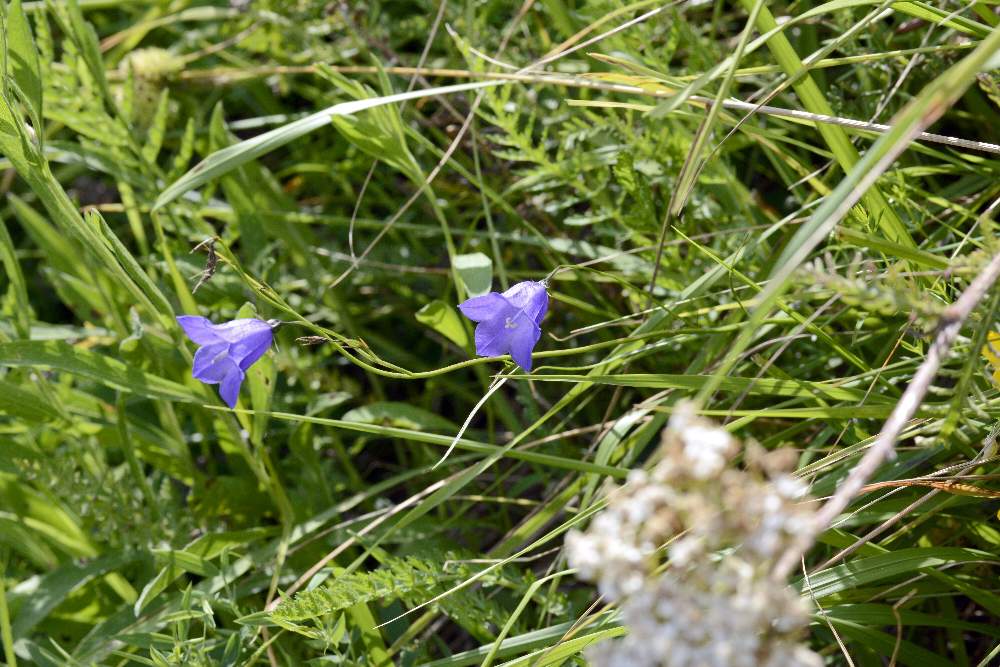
(141, 522)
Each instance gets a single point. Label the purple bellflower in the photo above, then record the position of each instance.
(227, 350)
(509, 322)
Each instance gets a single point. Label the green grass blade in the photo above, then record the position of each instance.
(229, 158)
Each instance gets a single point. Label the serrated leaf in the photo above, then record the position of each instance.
(86, 39)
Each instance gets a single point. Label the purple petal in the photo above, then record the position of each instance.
(198, 329)
(229, 390)
(236, 331)
(531, 297)
(252, 347)
(522, 341)
(480, 308)
(492, 337)
(212, 363)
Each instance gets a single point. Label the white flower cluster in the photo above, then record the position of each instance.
(714, 606)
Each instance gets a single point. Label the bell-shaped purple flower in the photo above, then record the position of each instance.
(227, 351)
(509, 322)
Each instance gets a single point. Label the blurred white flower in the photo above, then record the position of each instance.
(714, 606)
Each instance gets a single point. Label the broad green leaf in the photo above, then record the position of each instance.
(908, 653)
(863, 571)
(883, 614)
(897, 250)
(371, 635)
(18, 536)
(99, 368)
(40, 595)
(476, 272)
(45, 518)
(510, 646)
(443, 318)
(14, 142)
(24, 59)
(20, 403)
(566, 648)
(985, 598)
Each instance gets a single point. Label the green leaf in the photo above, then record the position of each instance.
(882, 614)
(543, 638)
(897, 250)
(39, 597)
(229, 158)
(154, 137)
(23, 404)
(908, 654)
(862, 571)
(158, 301)
(380, 132)
(399, 577)
(444, 319)
(21, 306)
(45, 518)
(197, 558)
(476, 272)
(86, 39)
(97, 367)
(24, 59)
